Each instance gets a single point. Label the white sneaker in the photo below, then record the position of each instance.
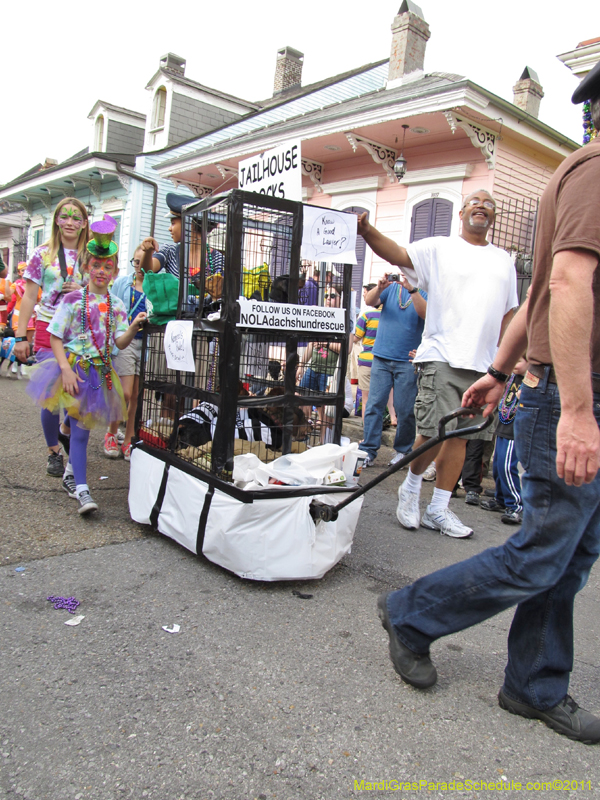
(396, 459)
(430, 472)
(446, 522)
(408, 509)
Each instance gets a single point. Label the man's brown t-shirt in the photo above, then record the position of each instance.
(568, 219)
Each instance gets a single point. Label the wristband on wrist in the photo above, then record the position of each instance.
(20, 338)
(499, 376)
(413, 290)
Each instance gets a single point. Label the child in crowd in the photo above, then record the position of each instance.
(55, 268)
(80, 378)
(127, 362)
(508, 484)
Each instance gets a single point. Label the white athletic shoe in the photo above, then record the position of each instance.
(408, 508)
(446, 522)
(430, 473)
(396, 459)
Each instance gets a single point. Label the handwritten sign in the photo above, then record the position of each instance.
(283, 316)
(276, 172)
(178, 345)
(329, 235)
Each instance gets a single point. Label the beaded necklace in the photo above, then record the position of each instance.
(104, 357)
(211, 268)
(408, 302)
(508, 405)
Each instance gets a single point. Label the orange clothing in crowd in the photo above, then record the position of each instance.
(18, 288)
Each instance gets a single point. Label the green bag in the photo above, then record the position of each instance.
(162, 294)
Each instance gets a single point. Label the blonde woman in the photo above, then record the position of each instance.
(55, 267)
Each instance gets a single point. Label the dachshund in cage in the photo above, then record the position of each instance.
(197, 427)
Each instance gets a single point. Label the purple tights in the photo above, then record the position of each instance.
(78, 451)
(50, 423)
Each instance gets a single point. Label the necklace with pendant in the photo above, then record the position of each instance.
(105, 371)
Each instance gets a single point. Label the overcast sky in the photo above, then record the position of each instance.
(56, 64)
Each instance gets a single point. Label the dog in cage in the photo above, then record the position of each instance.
(197, 427)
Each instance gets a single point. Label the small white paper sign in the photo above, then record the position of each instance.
(329, 235)
(289, 317)
(178, 345)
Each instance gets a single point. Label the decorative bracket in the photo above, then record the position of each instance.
(66, 192)
(124, 180)
(481, 138)
(314, 171)
(379, 153)
(226, 172)
(201, 191)
(46, 201)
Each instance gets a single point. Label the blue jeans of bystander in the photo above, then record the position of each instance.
(385, 375)
(541, 568)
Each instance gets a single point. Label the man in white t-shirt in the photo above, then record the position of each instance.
(471, 287)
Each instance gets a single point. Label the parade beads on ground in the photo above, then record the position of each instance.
(83, 328)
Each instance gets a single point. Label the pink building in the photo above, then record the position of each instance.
(454, 135)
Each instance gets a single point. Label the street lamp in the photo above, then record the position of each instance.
(400, 163)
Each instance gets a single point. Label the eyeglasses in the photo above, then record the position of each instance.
(475, 201)
(135, 262)
(332, 296)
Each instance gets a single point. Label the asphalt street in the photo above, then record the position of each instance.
(261, 694)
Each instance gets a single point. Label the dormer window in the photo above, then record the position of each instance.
(99, 134)
(159, 108)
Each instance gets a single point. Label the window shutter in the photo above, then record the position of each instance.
(421, 215)
(442, 218)
(431, 218)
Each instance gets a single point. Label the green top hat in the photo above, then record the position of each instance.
(102, 245)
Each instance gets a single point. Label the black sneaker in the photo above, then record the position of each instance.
(512, 518)
(472, 499)
(412, 667)
(566, 717)
(69, 485)
(491, 504)
(56, 465)
(86, 503)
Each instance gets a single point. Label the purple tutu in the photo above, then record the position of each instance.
(95, 404)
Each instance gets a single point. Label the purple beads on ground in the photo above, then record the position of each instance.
(68, 603)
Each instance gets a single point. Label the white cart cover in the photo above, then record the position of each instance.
(270, 539)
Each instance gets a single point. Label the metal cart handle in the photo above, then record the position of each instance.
(327, 513)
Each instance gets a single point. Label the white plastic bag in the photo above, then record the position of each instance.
(297, 469)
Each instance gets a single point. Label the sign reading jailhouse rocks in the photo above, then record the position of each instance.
(260, 314)
(276, 172)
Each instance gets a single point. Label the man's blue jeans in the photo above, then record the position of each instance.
(541, 568)
(386, 374)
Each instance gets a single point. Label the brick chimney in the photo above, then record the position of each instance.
(172, 63)
(410, 34)
(528, 92)
(288, 71)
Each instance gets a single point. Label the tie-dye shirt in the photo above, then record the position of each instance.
(66, 323)
(47, 275)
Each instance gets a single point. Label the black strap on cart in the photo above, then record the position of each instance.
(327, 513)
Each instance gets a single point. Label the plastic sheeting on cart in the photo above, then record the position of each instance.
(269, 539)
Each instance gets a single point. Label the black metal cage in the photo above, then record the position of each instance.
(256, 387)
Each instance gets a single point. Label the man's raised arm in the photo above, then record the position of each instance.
(383, 246)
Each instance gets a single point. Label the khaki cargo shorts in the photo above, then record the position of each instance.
(440, 389)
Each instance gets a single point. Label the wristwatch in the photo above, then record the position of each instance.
(499, 376)
(20, 338)
(413, 290)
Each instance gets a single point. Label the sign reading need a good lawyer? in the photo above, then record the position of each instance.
(276, 172)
